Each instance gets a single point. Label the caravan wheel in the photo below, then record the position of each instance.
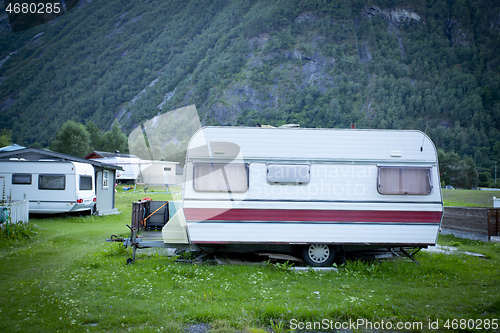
(318, 254)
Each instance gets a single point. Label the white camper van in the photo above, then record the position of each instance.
(131, 165)
(313, 191)
(50, 186)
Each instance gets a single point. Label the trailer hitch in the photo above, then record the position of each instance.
(136, 242)
(115, 238)
(132, 241)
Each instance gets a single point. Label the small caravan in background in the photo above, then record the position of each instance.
(50, 186)
(317, 192)
(131, 165)
(158, 173)
(136, 170)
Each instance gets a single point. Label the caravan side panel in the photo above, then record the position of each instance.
(289, 186)
(50, 186)
(341, 209)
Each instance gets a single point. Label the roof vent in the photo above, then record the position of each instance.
(396, 153)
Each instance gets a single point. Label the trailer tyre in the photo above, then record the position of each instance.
(318, 254)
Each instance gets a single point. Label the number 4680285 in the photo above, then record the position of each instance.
(33, 8)
(471, 324)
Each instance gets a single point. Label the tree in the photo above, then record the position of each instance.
(72, 139)
(456, 171)
(115, 139)
(95, 136)
(5, 138)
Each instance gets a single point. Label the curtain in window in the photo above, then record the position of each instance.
(51, 182)
(220, 177)
(394, 180)
(85, 183)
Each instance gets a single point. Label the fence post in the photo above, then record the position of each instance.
(496, 215)
(489, 224)
(19, 211)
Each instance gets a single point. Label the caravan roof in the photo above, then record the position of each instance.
(257, 143)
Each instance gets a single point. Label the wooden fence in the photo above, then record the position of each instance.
(493, 225)
(471, 222)
(18, 211)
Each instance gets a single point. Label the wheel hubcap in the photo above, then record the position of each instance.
(319, 253)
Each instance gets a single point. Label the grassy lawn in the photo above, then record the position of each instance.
(68, 279)
(469, 198)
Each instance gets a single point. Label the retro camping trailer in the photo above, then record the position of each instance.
(50, 186)
(316, 192)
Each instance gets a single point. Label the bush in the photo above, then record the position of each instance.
(18, 231)
(484, 179)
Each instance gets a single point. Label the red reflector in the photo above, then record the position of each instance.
(79, 200)
(94, 200)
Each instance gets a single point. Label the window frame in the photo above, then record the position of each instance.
(40, 176)
(247, 177)
(80, 183)
(288, 165)
(429, 178)
(14, 175)
(105, 178)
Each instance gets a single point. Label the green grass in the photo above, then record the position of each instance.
(66, 278)
(469, 198)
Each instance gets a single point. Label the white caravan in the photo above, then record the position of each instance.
(131, 165)
(50, 186)
(142, 171)
(314, 191)
(157, 173)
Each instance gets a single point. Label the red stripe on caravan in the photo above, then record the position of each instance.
(288, 215)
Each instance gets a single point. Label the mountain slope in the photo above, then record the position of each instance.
(429, 65)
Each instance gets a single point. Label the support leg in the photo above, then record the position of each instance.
(410, 255)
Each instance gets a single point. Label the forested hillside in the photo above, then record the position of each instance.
(429, 65)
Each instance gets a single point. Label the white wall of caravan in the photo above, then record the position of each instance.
(147, 171)
(82, 169)
(44, 200)
(339, 184)
(158, 172)
(131, 166)
(302, 233)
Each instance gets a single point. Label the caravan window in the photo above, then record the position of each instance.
(51, 182)
(404, 180)
(86, 183)
(288, 173)
(21, 178)
(210, 177)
